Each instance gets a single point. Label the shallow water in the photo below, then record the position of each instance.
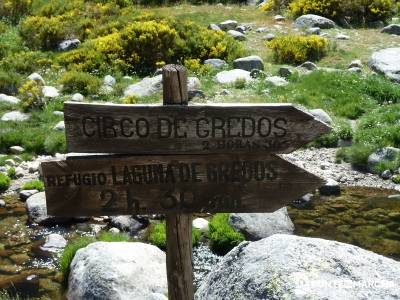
(361, 216)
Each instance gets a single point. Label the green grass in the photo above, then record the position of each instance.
(74, 245)
(34, 185)
(158, 237)
(5, 182)
(11, 172)
(4, 295)
(221, 234)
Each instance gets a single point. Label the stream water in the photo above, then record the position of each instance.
(364, 217)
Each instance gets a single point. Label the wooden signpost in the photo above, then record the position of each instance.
(177, 160)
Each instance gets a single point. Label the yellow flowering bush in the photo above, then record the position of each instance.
(194, 65)
(31, 95)
(294, 49)
(275, 5)
(359, 11)
(130, 100)
(13, 10)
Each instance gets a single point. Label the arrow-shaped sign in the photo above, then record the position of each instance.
(195, 129)
(98, 186)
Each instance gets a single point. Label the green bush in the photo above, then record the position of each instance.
(34, 185)
(357, 155)
(158, 237)
(222, 236)
(84, 83)
(396, 179)
(11, 173)
(9, 82)
(4, 182)
(295, 49)
(74, 245)
(55, 143)
(341, 130)
(31, 95)
(358, 11)
(26, 62)
(14, 10)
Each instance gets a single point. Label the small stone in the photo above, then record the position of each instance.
(303, 202)
(354, 70)
(114, 230)
(25, 194)
(15, 116)
(10, 162)
(241, 29)
(77, 97)
(69, 44)
(228, 77)
(249, 63)
(54, 243)
(228, 25)
(387, 174)
(392, 29)
(331, 188)
(215, 62)
(285, 72)
(9, 99)
(109, 80)
(36, 77)
(196, 93)
(201, 224)
(313, 30)
(60, 126)
(355, 64)
(279, 18)
(256, 73)
(321, 115)
(50, 92)
(341, 36)
(269, 37)
(214, 27)
(225, 92)
(2, 203)
(19, 172)
(16, 149)
(33, 166)
(261, 29)
(276, 81)
(58, 113)
(308, 65)
(237, 35)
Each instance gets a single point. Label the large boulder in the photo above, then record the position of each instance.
(386, 61)
(228, 25)
(145, 87)
(311, 20)
(227, 77)
(237, 35)
(9, 99)
(297, 268)
(256, 226)
(15, 116)
(118, 271)
(392, 29)
(249, 63)
(321, 115)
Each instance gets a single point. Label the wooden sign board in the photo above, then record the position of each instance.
(98, 186)
(173, 129)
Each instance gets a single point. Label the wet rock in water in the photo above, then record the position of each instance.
(69, 44)
(37, 211)
(392, 29)
(256, 226)
(308, 65)
(50, 92)
(15, 116)
(200, 224)
(36, 77)
(25, 194)
(17, 150)
(77, 97)
(60, 126)
(386, 154)
(311, 20)
(269, 37)
(321, 115)
(215, 62)
(127, 223)
(54, 243)
(145, 87)
(237, 35)
(387, 174)
(297, 268)
(9, 99)
(226, 77)
(120, 270)
(276, 81)
(249, 63)
(330, 188)
(214, 27)
(386, 61)
(228, 25)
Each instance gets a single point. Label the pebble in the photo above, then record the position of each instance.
(2, 203)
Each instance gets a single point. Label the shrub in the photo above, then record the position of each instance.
(84, 83)
(240, 83)
(34, 185)
(55, 143)
(342, 130)
(9, 82)
(130, 100)
(276, 6)
(14, 10)
(158, 236)
(73, 246)
(357, 155)
(222, 236)
(294, 49)
(26, 62)
(11, 173)
(396, 179)
(195, 66)
(31, 95)
(359, 11)
(392, 165)
(4, 182)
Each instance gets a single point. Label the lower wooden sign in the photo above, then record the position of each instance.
(112, 185)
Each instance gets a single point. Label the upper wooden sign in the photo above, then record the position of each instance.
(111, 185)
(150, 129)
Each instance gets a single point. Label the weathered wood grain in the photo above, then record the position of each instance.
(172, 184)
(197, 129)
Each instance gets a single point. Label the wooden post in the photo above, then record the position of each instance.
(179, 226)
